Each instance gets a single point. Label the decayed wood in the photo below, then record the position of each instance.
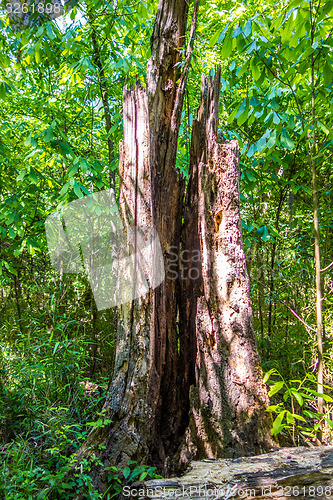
(143, 401)
(166, 82)
(301, 473)
(228, 397)
(127, 401)
(199, 371)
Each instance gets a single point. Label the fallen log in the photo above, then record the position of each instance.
(303, 473)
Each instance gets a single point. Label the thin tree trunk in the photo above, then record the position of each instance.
(260, 294)
(319, 313)
(17, 300)
(102, 81)
(228, 398)
(272, 264)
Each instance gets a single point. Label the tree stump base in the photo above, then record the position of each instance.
(304, 473)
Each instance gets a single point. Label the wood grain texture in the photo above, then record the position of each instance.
(228, 397)
(303, 473)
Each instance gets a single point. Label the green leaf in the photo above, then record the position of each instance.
(2, 90)
(225, 29)
(297, 396)
(21, 175)
(237, 31)
(244, 68)
(10, 268)
(32, 245)
(30, 141)
(252, 47)
(226, 47)
(310, 414)
(268, 374)
(276, 118)
(243, 112)
(251, 151)
(325, 397)
(272, 140)
(126, 472)
(290, 418)
(85, 61)
(66, 149)
(49, 134)
(84, 166)
(276, 387)
(327, 75)
(64, 189)
(20, 249)
(277, 424)
(77, 190)
(143, 475)
(299, 417)
(321, 125)
(274, 408)
(286, 140)
(55, 348)
(329, 421)
(213, 39)
(261, 144)
(72, 171)
(33, 177)
(11, 233)
(49, 31)
(256, 72)
(265, 234)
(38, 54)
(254, 102)
(247, 28)
(40, 31)
(250, 176)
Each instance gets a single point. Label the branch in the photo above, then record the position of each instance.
(189, 51)
(296, 315)
(326, 268)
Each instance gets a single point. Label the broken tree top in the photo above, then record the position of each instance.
(304, 473)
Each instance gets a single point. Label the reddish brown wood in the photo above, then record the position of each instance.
(228, 397)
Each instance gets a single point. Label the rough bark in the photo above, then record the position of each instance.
(166, 83)
(228, 398)
(287, 473)
(143, 400)
(127, 401)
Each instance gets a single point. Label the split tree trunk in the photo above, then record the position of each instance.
(186, 356)
(228, 398)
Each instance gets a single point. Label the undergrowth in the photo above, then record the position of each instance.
(48, 405)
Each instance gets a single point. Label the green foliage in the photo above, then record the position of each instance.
(297, 412)
(48, 405)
